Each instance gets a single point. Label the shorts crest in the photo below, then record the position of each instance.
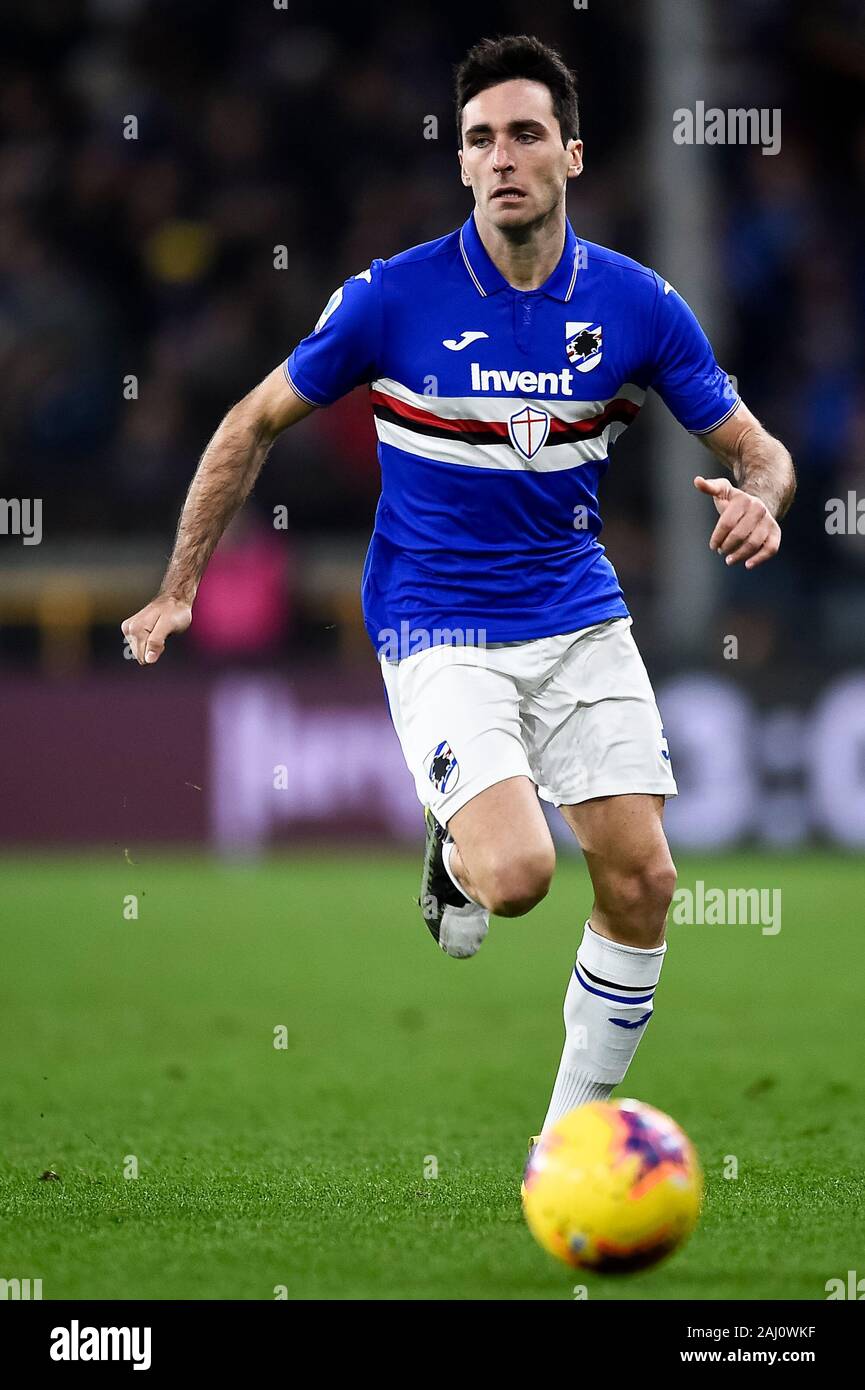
(444, 769)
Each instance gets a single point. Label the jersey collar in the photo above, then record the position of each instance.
(488, 279)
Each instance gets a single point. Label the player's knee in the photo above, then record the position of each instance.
(661, 884)
(518, 881)
(645, 889)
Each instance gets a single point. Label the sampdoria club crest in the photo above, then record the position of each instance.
(583, 345)
(444, 770)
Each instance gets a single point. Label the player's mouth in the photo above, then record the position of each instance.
(508, 193)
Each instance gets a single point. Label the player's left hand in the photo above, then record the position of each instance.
(746, 529)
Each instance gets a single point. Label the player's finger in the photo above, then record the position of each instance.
(126, 629)
(134, 630)
(749, 545)
(715, 487)
(155, 643)
(754, 515)
(763, 541)
(769, 548)
(729, 518)
(139, 639)
(749, 521)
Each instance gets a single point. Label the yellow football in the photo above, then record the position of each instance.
(613, 1186)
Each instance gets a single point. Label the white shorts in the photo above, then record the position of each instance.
(575, 713)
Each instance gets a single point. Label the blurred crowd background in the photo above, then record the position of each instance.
(139, 297)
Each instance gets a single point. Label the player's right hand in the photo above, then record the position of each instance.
(147, 630)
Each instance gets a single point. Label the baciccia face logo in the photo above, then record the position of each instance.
(584, 345)
(444, 770)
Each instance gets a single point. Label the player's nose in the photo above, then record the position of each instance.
(502, 158)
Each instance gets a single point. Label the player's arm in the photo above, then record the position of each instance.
(764, 485)
(224, 478)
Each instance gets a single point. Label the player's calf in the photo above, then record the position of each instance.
(608, 1006)
(611, 992)
(629, 860)
(456, 923)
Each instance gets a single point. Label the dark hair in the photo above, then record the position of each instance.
(518, 55)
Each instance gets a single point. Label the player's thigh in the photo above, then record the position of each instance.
(502, 835)
(626, 851)
(593, 728)
(457, 718)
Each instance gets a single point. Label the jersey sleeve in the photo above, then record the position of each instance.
(343, 349)
(682, 366)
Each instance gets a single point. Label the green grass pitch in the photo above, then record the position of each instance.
(304, 1167)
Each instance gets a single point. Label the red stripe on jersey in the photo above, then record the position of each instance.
(619, 409)
(426, 417)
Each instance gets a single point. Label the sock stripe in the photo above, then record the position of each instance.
(613, 984)
(616, 998)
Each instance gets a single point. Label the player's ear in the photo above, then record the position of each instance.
(575, 151)
(463, 175)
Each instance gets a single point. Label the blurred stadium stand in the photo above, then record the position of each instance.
(139, 299)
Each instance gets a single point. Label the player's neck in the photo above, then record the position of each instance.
(526, 257)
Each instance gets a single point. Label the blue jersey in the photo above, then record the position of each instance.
(495, 410)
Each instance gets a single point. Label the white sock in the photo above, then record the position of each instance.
(607, 1007)
(447, 850)
(462, 929)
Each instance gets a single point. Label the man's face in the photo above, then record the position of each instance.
(512, 156)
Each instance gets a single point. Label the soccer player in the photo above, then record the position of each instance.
(502, 360)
